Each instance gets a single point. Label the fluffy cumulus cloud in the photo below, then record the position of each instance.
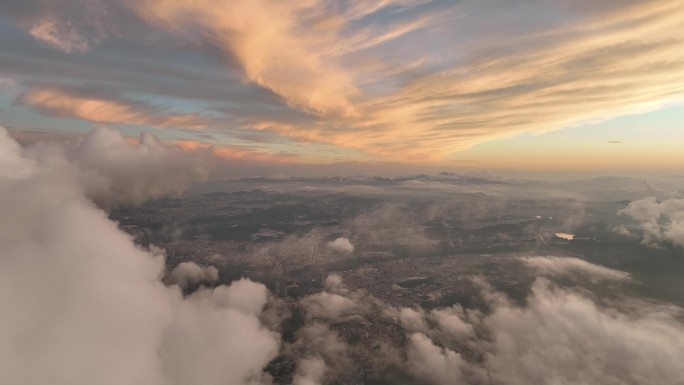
(560, 336)
(563, 337)
(82, 304)
(454, 322)
(330, 305)
(109, 167)
(657, 221)
(217, 337)
(320, 353)
(434, 363)
(335, 283)
(189, 273)
(411, 319)
(342, 245)
(337, 301)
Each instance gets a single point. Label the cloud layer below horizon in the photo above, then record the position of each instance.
(83, 304)
(393, 79)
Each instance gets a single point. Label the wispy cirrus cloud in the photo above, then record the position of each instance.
(63, 102)
(262, 37)
(406, 80)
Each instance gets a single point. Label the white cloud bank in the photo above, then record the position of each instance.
(559, 337)
(82, 304)
(657, 221)
(565, 338)
(114, 171)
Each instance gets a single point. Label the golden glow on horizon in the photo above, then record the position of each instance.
(600, 157)
(236, 152)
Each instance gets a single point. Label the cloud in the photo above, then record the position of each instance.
(433, 363)
(271, 42)
(71, 27)
(496, 92)
(337, 302)
(213, 161)
(320, 353)
(448, 325)
(309, 371)
(99, 108)
(26, 138)
(109, 168)
(189, 273)
(559, 336)
(334, 283)
(216, 339)
(237, 152)
(82, 304)
(65, 37)
(11, 162)
(658, 221)
(312, 78)
(564, 337)
(411, 319)
(573, 267)
(330, 305)
(454, 322)
(342, 245)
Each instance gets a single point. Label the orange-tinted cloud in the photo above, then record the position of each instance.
(64, 37)
(237, 152)
(628, 63)
(266, 38)
(624, 61)
(62, 103)
(403, 80)
(70, 26)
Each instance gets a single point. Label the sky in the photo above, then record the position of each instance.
(535, 85)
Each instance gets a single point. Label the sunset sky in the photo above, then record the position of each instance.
(498, 84)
